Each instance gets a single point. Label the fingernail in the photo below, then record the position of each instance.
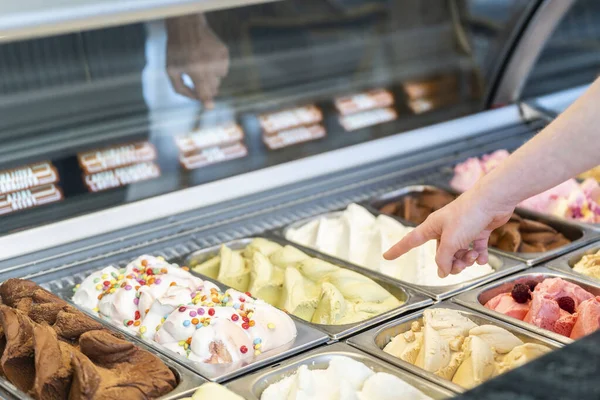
(472, 256)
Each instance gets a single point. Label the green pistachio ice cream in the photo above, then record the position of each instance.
(307, 287)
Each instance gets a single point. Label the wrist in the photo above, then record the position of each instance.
(492, 197)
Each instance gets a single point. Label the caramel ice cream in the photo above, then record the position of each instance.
(589, 265)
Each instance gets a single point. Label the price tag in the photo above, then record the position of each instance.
(27, 177)
(117, 156)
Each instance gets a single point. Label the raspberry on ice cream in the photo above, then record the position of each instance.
(521, 293)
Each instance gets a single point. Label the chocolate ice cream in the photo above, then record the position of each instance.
(416, 207)
(526, 236)
(50, 350)
(520, 235)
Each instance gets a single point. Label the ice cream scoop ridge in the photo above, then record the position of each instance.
(344, 378)
(192, 317)
(556, 305)
(359, 237)
(568, 200)
(307, 287)
(451, 346)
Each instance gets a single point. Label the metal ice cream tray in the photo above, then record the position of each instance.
(502, 265)
(187, 381)
(306, 338)
(411, 299)
(376, 339)
(567, 262)
(475, 299)
(252, 386)
(579, 234)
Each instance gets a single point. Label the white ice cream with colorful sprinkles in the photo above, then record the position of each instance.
(166, 303)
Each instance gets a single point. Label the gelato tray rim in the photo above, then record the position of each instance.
(250, 384)
(588, 233)
(415, 299)
(507, 265)
(566, 262)
(187, 381)
(306, 338)
(471, 299)
(366, 341)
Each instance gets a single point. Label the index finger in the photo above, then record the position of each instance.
(419, 236)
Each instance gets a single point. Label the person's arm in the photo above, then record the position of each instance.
(568, 146)
(194, 49)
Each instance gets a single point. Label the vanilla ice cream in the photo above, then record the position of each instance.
(344, 378)
(213, 391)
(357, 236)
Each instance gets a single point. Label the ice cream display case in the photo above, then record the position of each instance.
(208, 187)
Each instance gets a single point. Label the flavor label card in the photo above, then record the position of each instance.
(29, 198)
(420, 106)
(359, 102)
(430, 87)
(213, 155)
(209, 137)
(100, 160)
(274, 122)
(294, 136)
(27, 177)
(423, 105)
(121, 176)
(367, 118)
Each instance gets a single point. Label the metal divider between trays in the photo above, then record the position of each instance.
(412, 299)
(581, 234)
(374, 340)
(503, 266)
(476, 299)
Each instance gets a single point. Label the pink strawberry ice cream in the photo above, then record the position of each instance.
(588, 320)
(505, 304)
(555, 304)
(546, 313)
(570, 199)
(468, 172)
